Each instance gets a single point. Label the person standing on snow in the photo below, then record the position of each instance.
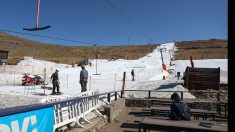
(178, 75)
(133, 75)
(55, 82)
(83, 79)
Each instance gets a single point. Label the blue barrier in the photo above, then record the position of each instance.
(48, 117)
(40, 120)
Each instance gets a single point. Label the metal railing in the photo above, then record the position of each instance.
(71, 110)
(152, 91)
(66, 111)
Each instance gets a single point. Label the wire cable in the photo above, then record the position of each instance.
(129, 20)
(51, 37)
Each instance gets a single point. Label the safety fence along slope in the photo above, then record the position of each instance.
(51, 116)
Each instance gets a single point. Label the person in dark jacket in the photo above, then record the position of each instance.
(133, 75)
(178, 75)
(83, 79)
(179, 109)
(55, 82)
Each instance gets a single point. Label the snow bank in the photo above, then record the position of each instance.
(148, 71)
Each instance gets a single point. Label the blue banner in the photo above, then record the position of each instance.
(41, 120)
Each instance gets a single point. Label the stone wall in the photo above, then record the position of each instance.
(113, 109)
(135, 102)
(208, 105)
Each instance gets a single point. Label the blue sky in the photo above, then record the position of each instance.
(95, 21)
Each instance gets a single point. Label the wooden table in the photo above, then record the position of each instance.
(195, 112)
(149, 123)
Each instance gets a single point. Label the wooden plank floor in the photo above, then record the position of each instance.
(128, 120)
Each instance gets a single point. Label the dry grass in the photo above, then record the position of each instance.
(202, 49)
(19, 47)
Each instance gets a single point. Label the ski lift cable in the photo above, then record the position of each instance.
(51, 37)
(129, 20)
(57, 38)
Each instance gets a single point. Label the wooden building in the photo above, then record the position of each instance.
(202, 78)
(3, 57)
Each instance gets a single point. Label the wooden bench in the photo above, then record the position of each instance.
(167, 124)
(221, 107)
(195, 112)
(166, 101)
(161, 101)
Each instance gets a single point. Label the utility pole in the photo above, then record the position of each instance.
(97, 56)
(170, 54)
(162, 50)
(171, 51)
(127, 48)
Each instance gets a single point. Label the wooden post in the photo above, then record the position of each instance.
(187, 77)
(115, 95)
(218, 78)
(182, 95)
(218, 103)
(123, 83)
(149, 94)
(109, 97)
(218, 97)
(225, 109)
(191, 60)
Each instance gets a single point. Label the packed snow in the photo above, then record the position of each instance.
(148, 76)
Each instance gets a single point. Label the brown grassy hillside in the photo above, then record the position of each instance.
(20, 47)
(202, 49)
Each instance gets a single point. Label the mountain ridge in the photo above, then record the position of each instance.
(20, 47)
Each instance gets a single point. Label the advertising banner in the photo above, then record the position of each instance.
(41, 120)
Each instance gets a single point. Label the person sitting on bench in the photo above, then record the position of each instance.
(179, 109)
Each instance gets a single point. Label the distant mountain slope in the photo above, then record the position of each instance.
(202, 49)
(20, 47)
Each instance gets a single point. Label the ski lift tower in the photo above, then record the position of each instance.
(171, 51)
(170, 54)
(162, 50)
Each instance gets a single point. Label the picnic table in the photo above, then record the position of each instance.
(180, 125)
(196, 112)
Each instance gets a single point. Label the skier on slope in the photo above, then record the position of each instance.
(55, 82)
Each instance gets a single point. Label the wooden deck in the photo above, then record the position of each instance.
(152, 123)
